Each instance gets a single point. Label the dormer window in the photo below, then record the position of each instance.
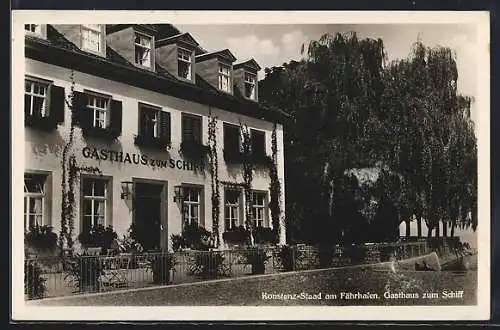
(250, 84)
(143, 54)
(92, 38)
(184, 63)
(225, 77)
(35, 29)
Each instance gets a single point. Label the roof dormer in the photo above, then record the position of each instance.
(245, 78)
(176, 54)
(217, 69)
(134, 42)
(89, 38)
(36, 30)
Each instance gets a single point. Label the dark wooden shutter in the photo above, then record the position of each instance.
(186, 128)
(81, 115)
(57, 103)
(165, 126)
(196, 123)
(115, 123)
(258, 142)
(231, 138)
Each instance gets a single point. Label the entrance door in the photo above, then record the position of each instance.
(148, 220)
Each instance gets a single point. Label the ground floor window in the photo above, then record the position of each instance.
(232, 208)
(258, 209)
(191, 205)
(94, 200)
(34, 200)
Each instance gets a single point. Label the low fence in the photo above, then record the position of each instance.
(49, 277)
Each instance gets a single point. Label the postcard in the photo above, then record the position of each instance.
(237, 165)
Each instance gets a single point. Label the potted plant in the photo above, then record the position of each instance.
(98, 237)
(40, 239)
(161, 265)
(238, 236)
(264, 235)
(256, 257)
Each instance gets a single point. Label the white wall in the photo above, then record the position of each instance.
(43, 151)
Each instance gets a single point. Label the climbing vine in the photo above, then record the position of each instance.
(214, 174)
(274, 186)
(69, 175)
(246, 146)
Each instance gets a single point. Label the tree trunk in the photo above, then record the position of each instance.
(436, 229)
(429, 230)
(419, 226)
(452, 233)
(445, 229)
(408, 228)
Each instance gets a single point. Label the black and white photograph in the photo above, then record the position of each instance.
(268, 165)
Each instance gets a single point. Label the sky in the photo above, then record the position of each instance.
(273, 45)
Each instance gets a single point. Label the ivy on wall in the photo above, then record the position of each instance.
(69, 176)
(246, 147)
(274, 186)
(214, 174)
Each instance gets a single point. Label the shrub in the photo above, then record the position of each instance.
(356, 253)
(84, 270)
(98, 236)
(161, 265)
(197, 237)
(34, 282)
(386, 253)
(207, 264)
(178, 242)
(325, 256)
(289, 257)
(237, 235)
(257, 258)
(263, 235)
(41, 238)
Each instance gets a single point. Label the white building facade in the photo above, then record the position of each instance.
(139, 100)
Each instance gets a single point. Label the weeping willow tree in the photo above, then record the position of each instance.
(352, 110)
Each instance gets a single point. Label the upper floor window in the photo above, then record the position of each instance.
(34, 200)
(258, 209)
(35, 29)
(92, 38)
(44, 103)
(184, 63)
(100, 108)
(191, 128)
(154, 123)
(143, 50)
(225, 77)
(94, 202)
(191, 205)
(35, 98)
(250, 85)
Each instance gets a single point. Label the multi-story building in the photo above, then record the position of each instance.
(138, 101)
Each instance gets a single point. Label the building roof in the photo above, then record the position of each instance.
(185, 38)
(59, 51)
(251, 63)
(224, 54)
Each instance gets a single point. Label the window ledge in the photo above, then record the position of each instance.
(153, 143)
(101, 133)
(194, 150)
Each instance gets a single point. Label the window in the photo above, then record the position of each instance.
(154, 123)
(100, 108)
(94, 202)
(184, 65)
(191, 128)
(92, 37)
(35, 98)
(191, 205)
(38, 30)
(232, 208)
(250, 82)
(34, 199)
(258, 207)
(258, 142)
(143, 50)
(225, 77)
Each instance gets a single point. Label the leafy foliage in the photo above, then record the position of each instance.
(34, 282)
(41, 238)
(97, 236)
(84, 271)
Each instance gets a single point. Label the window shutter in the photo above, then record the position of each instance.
(80, 113)
(258, 142)
(57, 103)
(231, 138)
(165, 126)
(196, 122)
(115, 123)
(186, 128)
